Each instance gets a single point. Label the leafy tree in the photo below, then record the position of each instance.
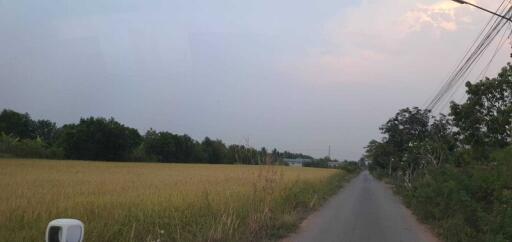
(99, 139)
(413, 140)
(406, 132)
(214, 150)
(441, 141)
(168, 147)
(262, 157)
(45, 130)
(17, 124)
(484, 120)
(187, 149)
(381, 156)
(160, 145)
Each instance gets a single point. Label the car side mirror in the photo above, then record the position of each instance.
(65, 230)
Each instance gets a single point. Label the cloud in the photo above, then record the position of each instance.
(387, 40)
(442, 15)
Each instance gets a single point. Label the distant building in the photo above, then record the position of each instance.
(333, 163)
(296, 162)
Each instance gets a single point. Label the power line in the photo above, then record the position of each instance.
(468, 60)
(473, 55)
(461, 62)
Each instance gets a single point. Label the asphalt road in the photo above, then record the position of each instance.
(365, 210)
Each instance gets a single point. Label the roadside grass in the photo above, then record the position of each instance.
(159, 202)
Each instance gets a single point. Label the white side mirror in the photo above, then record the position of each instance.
(65, 230)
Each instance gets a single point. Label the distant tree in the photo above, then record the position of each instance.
(236, 154)
(168, 147)
(17, 124)
(290, 155)
(361, 162)
(381, 156)
(161, 145)
(45, 130)
(262, 156)
(214, 150)
(187, 149)
(441, 141)
(274, 156)
(98, 139)
(405, 134)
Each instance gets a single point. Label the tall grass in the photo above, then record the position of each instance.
(159, 202)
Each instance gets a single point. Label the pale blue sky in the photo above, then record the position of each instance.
(295, 75)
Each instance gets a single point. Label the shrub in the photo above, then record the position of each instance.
(27, 148)
(473, 203)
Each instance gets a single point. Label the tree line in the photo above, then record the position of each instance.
(101, 139)
(455, 170)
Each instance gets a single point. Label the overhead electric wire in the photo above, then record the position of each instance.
(473, 55)
(458, 66)
(498, 48)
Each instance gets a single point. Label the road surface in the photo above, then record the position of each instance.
(366, 210)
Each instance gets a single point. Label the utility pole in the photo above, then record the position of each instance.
(329, 154)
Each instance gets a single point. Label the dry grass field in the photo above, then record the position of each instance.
(159, 202)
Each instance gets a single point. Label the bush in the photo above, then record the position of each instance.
(27, 148)
(473, 203)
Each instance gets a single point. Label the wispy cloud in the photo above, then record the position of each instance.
(442, 16)
(390, 36)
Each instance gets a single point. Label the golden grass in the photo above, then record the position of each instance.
(157, 202)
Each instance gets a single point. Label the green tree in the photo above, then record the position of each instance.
(484, 120)
(406, 132)
(381, 156)
(98, 139)
(45, 130)
(441, 141)
(17, 124)
(214, 150)
(168, 147)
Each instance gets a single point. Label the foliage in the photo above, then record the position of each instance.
(28, 148)
(472, 203)
(214, 150)
(454, 171)
(99, 139)
(413, 140)
(46, 130)
(17, 124)
(106, 139)
(485, 119)
(168, 147)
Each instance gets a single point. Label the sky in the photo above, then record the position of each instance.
(291, 74)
